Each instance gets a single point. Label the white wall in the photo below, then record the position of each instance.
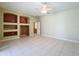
(64, 24)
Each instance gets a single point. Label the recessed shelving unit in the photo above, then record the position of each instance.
(24, 26)
(15, 26)
(10, 25)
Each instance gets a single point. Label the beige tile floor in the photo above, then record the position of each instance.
(39, 46)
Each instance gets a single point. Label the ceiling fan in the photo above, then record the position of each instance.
(45, 8)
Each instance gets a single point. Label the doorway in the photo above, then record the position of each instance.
(37, 28)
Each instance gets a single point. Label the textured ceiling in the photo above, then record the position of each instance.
(33, 8)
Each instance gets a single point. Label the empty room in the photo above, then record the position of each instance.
(39, 28)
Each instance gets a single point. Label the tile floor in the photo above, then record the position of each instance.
(39, 46)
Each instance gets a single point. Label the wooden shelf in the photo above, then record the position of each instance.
(6, 23)
(24, 24)
(10, 30)
(11, 37)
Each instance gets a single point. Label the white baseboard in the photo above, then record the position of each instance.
(60, 38)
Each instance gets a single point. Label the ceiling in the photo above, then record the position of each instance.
(33, 8)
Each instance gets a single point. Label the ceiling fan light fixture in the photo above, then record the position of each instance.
(44, 11)
(45, 8)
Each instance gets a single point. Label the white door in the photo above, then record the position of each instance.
(38, 28)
